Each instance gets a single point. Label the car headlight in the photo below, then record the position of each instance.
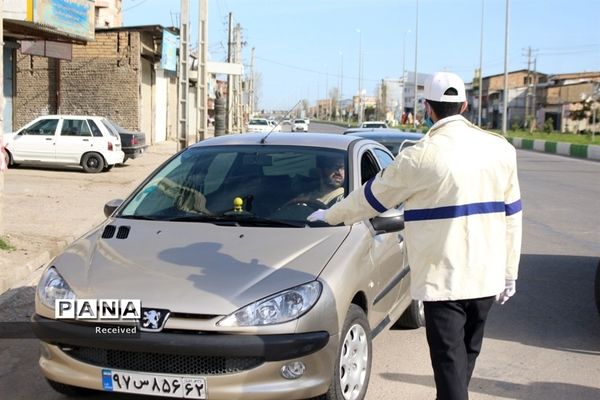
(279, 308)
(53, 287)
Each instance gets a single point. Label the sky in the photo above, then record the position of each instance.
(304, 48)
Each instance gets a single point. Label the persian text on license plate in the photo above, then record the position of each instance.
(153, 385)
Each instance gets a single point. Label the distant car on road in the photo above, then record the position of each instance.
(393, 139)
(299, 125)
(275, 126)
(133, 143)
(374, 124)
(66, 140)
(258, 125)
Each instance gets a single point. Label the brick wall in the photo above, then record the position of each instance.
(102, 79)
(35, 93)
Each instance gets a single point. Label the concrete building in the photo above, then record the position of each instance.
(108, 13)
(533, 97)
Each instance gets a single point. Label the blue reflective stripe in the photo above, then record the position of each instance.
(454, 211)
(377, 206)
(513, 208)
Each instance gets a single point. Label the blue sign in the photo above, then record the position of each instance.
(168, 58)
(73, 17)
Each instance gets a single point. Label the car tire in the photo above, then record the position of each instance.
(10, 162)
(413, 317)
(68, 390)
(354, 357)
(597, 287)
(92, 163)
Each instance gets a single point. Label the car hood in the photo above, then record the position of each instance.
(197, 268)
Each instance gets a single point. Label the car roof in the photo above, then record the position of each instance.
(322, 140)
(70, 116)
(385, 134)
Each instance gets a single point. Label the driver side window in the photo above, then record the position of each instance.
(45, 127)
(368, 167)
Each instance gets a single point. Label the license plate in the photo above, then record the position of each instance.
(153, 384)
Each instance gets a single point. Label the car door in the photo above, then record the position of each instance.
(36, 141)
(387, 251)
(74, 139)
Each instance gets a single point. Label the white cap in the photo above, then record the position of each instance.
(436, 86)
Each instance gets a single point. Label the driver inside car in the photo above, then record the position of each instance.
(332, 175)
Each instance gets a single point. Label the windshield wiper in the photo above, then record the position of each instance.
(204, 218)
(254, 220)
(143, 217)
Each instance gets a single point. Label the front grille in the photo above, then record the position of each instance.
(162, 363)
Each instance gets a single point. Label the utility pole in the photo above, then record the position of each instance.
(228, 113)
(534, 120)
(183, 92)
(201, 83)
(528, 92)
(237, 108)
(251, 86)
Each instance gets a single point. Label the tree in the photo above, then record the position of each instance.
(334, 99)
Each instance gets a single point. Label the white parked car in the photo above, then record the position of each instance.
(259, 125)
(66, 140)
(299, 125)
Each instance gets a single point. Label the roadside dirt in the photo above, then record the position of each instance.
(45, 209)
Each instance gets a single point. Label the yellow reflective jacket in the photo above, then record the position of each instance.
(462, 210)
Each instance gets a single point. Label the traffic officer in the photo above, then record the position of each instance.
(463, 217)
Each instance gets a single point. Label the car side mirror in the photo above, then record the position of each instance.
(390, 221)
(111, 206)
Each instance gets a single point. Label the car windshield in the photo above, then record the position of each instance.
(299, 121)
(243, 184)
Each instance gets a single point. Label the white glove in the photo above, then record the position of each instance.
(318, 215)
(510, 289)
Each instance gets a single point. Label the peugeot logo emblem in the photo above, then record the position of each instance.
(153, 319)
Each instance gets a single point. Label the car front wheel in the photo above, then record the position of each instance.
(353, 364)
(92, 162)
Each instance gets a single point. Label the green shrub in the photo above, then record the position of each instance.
(549, 125)
(5, 245)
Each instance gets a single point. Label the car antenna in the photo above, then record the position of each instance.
(264, 139)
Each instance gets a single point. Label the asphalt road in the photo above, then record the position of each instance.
(544, 344)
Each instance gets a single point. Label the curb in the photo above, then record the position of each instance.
(31, 270)
(583, 151)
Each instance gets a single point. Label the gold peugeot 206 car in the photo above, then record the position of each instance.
(208, 282)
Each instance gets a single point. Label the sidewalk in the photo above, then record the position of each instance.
(45, 209)
(590, 152)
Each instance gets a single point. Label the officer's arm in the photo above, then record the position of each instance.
(514, 217)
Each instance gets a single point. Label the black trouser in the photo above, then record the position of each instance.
(454, 334)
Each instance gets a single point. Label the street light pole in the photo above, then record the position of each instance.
(480, 67)
(359, 76)
(416, 64)
(403, 72)
(505, 96)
